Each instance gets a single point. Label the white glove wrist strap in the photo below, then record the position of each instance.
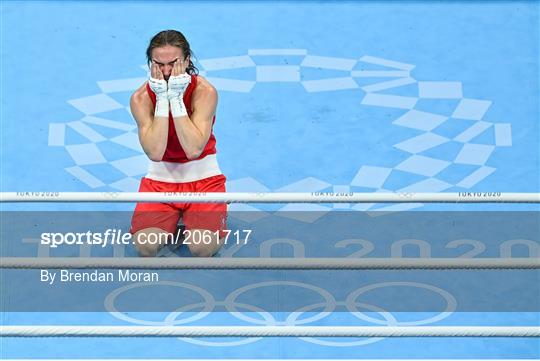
(162, 108)
(178, 109)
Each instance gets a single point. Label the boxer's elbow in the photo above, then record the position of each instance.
(155, 154)
(154, 158)
(194, 153)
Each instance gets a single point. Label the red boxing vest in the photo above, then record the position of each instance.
(174, 152)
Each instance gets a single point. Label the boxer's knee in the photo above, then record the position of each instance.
(205, 249)
(148, 241)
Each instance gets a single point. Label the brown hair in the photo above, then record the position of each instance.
(173, 38)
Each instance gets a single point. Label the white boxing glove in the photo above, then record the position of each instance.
(159, 87)
(177, 86)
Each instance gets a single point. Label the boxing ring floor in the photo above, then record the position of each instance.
(314, 97)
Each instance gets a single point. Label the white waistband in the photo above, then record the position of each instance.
(184, 172)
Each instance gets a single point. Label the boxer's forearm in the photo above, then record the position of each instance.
(154, 138)
(190, 137)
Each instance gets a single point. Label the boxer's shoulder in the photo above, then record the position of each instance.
(140, 96)
(204, 87)
(140, 100)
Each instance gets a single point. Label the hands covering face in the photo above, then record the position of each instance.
(157, 82)
(178, 81)
(177, 84)
(171, 91)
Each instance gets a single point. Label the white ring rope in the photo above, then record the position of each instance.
(317, 197)
(270, 263)
(269, 331)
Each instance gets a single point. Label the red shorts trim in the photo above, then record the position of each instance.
(210, 216)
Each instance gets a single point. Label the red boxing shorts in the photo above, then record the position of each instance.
(209, 216)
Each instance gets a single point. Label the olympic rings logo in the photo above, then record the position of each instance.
(110, 195)
(406, 195)
(238, 309)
